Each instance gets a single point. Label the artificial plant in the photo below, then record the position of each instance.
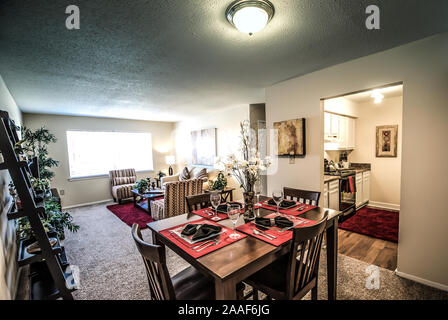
(141, 185)
(35, 144)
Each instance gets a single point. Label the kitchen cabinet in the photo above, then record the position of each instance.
(365, 186)
(359, 190)
(351, 123)
(333, 195)
(339, 132)
(324, 200)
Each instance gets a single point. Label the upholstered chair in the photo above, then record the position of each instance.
(174, 202)
(122, 182)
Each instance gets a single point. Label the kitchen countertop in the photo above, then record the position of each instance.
(328, 178)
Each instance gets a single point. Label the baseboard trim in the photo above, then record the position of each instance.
(86, 204)
(422, 281)
(383, 205)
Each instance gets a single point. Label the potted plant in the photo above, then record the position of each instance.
(141, 185)
(35, 144)
(247, 168)
(220, 183)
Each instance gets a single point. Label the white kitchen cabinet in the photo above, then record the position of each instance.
(365, 186)
(334, 125)
(333, 194)
(351, 133)
(359, 190)
(324, 199)
(339, 132)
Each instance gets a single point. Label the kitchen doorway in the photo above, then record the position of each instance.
(362, 170)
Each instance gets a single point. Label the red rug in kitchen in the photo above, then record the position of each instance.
(130, 214)
(377, 223)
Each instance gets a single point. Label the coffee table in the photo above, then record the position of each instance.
(143, 200)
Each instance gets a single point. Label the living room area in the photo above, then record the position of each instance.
(175, 151)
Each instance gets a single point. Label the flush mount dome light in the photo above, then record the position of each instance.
(250, 16)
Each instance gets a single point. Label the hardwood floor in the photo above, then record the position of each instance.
(378, 252)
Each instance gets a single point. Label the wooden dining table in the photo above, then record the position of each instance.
(233, 263)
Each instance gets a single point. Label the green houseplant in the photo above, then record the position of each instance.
(35, 144)
(220, 183)
(141, 185)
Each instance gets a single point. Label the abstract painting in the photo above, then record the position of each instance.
(204, 147)
(291, 137)
(386, 141)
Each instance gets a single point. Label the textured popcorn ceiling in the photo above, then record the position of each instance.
(166, 59)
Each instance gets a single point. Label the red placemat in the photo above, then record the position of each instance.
(291, 211)
(208, 214)
(281, 237)
(223, 238)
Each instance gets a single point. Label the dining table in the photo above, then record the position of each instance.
(233, 263)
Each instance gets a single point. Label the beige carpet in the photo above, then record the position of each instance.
(111, 268)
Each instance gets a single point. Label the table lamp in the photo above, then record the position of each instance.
(170, 160)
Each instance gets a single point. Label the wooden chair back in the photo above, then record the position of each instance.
(198, 201)
(303, 266)
(159, 280)
(304, 196)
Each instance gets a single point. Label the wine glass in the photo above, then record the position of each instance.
(277, 196)
(257, 189)
(215, 200)
(233, 212)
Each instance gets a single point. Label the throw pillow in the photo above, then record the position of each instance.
(184, 175)
(201, 174)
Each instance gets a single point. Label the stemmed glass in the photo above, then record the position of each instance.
(233, 212)
(215, 200)
(277, 196)
(257, 189)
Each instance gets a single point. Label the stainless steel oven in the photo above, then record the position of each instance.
(347, 194)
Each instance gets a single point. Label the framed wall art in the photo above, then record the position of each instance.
(291, 137)
(386, 141)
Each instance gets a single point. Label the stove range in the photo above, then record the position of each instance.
(341, 173)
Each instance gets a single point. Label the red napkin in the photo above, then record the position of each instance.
(223, 238)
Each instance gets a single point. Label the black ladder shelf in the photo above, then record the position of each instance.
(57, 283)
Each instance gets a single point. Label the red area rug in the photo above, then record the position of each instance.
(377, 223)
(130, 214)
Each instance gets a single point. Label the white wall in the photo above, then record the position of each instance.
(8, 248)
(96, 189)
(385, 176)
(423, 68)
(227, 122)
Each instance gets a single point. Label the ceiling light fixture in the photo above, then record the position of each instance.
(377, 96)
(250, 16)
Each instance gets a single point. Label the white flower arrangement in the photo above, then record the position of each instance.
(247, 170)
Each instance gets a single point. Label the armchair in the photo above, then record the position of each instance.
(122, 182)
(174, 202)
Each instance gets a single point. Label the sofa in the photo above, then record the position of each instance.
(193, 172)
(174, 202)
(121, 183)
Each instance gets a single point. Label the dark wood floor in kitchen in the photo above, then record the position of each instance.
(378, 252)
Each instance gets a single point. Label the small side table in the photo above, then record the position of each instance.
(226, 194)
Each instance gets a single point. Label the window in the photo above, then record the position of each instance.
(93, 153)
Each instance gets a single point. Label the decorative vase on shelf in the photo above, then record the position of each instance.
(249, 202)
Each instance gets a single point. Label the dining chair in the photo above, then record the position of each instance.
(293, 275)
(198, 201)
(189, 284)
(304, 196)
